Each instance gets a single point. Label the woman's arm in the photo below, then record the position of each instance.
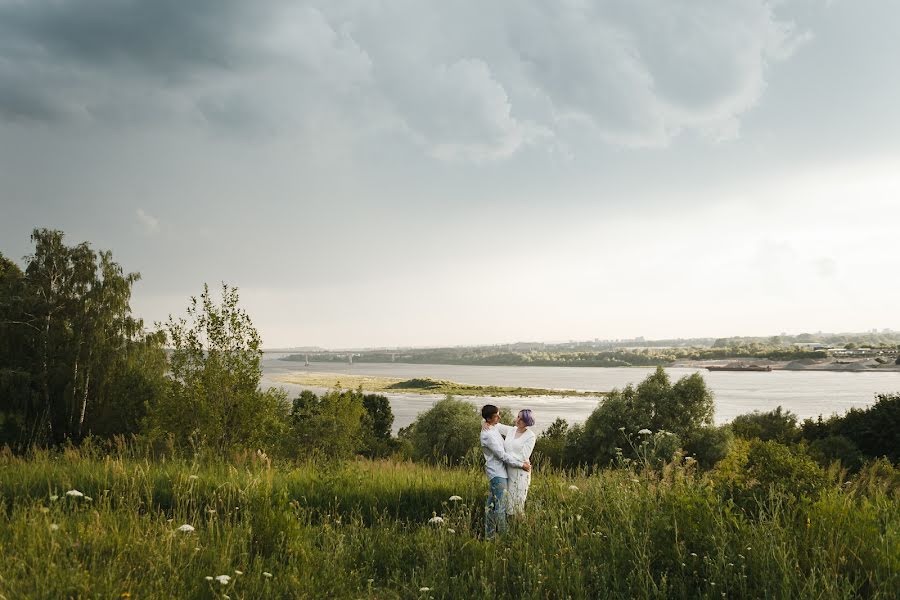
(505, 430)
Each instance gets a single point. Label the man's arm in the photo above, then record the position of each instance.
(495, 446)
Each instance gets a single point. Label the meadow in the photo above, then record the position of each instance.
(86, 524)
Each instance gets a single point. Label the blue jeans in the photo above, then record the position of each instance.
(495, 508)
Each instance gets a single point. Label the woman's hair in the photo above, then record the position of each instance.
(526, 416)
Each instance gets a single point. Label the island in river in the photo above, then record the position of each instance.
(419, 385)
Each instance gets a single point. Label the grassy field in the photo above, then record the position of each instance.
(361, 530)
(419, 386)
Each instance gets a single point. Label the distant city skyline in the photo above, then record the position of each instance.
(420, 173)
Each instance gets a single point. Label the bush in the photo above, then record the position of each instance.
(334, 426)
(656, 405)
(446, 432)
(551, 444)
(777, 425)
(709, 445)
(753, 469)
(874, 430)
(836, 448)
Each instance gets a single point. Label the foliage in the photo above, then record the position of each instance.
(446, 432)
(875, 430)
(71, 351)
(709, 445)
(777, 425)
(550, 446)
(753, 469)
(655, 405)
(213, 398)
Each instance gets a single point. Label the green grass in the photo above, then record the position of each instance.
(360, 530)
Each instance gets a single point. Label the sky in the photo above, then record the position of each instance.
(380, 173)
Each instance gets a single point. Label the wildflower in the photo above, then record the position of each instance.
(424, 589)
(45, 510)
(451, 531)
(730, 564)
(88, 498)
(683, 565)
(268, 575)
(169, 520)
(694, 554)
(186, 528)
(436, 520)
(455, 498)
(749, 548)
(644, 431)
(621, 429)
(370, 581)
(209, 577)
(574, 488)
(223, 579)
(741, 556)
(54, 527)
(577, 517)
(236, 572)
(193, 477)
(74, 494)
(54, 498)
(196, 548)
(211, 511)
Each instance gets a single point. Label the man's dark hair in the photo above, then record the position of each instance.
(488, 411)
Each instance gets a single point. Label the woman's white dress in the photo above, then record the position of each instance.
(518, 480)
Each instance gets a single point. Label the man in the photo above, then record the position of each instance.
(495, 461)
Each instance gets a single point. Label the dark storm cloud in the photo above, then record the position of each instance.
(463, 80)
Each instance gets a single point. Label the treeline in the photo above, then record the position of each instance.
(75, 363)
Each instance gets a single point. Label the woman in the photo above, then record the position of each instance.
(518, 443)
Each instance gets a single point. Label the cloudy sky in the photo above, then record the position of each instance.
(415, 172)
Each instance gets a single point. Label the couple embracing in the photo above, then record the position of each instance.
(507, 453)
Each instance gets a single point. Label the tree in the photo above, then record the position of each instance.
(334, 426)
(655, 405)
(213, 397)
(777, 425)
(70, 319)
(446, 432)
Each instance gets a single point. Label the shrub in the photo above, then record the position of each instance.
(446, 432)
(709, 445)
(874, 430)
(754, 469)
(778, 425)
(655, 404)
(836, 448)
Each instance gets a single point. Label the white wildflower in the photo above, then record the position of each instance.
(424, 589)
(621, 429)
(209, 577)
(455, 498)
(74, 494)
(436, 520)
(268, 575)
(236, 572)
(577, 517)
(54, 527)
(574, 488)
(451, 530)
(644, 432)
(54, 498)
(694, 554)
(223, 579)
(186, 528)
(88, 498)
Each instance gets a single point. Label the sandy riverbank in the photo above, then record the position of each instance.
(862, 365)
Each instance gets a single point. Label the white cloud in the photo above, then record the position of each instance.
(149, 222)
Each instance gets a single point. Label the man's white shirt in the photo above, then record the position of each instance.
(495, 457)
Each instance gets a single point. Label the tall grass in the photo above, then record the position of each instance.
(361, 530)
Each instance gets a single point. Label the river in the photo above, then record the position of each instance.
(805, 393)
